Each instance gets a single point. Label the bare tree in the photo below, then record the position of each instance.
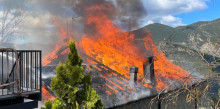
(11, 16)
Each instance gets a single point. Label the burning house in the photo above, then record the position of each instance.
(127, 70)
(123, 73)
(118, 91)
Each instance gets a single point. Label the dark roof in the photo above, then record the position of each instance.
(112, 87)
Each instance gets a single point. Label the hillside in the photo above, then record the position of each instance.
(183, 44)
(160, 32)
(203, 36)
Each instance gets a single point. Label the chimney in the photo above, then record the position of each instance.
(149, 70)
(133, 76)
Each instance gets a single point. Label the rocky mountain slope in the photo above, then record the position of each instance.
(185, 45)
(202, 36)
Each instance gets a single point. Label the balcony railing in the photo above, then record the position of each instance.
(20, 72)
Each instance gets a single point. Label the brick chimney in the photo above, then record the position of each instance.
(149, 70)
(133, 76)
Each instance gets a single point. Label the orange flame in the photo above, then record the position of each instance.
(110, 87)
(163, 67)
(65, 51)
(116, 49)
(64, 41)
(46, 95)
(110, 45)
(108, 92)
(112, 82)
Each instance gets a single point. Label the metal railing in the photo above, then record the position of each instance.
(20, 71)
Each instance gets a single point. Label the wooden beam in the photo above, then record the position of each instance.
(8, 84)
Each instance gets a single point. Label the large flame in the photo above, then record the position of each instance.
(64, 39)
(110, 45)
(116, 49)
(164, 67)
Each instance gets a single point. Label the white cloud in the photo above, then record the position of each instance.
(162, 11)
(33, 27)
(173, 6)
(171, 20)
(149, 22)
(37, 25)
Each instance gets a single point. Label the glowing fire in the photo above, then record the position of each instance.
(46, 95)
(110, 45)
(64, 37)
(163, 67)
(117, 50)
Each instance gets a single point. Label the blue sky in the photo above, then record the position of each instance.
(180, 12)
(212, 12)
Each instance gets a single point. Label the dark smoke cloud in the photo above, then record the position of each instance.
(79, 6)
(126, 13)
(131, 12)
(38, 25)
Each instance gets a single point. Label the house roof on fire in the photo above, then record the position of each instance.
(112, 87)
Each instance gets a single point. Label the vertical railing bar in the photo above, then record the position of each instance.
(20, 66)
(22, 56)
(31, 70)
(13, 77)
(2, 72)
(22, 71)
(38, 70)
(27, 70)
(35, 70)
(18, 70)
(40, 75)
(7, 71)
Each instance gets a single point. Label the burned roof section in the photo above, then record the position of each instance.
(116, 89)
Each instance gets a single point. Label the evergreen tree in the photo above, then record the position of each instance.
(72, 88)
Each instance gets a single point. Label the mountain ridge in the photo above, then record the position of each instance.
(203, 36)
(184, 45)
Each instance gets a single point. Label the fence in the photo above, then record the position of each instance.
(20, 71)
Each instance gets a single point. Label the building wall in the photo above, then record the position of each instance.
(177, 102)
(172, 101)
(140, 104)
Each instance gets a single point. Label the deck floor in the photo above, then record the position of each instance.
(11, 91)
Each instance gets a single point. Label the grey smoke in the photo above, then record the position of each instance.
(131, 12)
(38, 27)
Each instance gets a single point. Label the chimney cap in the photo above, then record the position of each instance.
(149, 59)
(133, 69)
(149, 56)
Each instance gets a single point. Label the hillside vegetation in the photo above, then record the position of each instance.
(184, 44)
